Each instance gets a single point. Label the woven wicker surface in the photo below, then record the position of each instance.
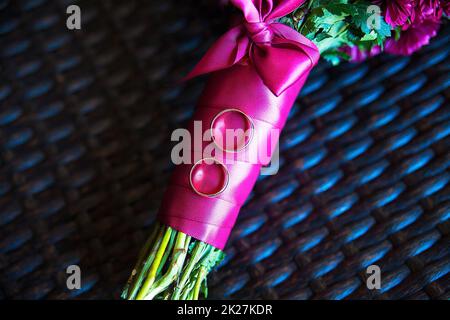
(85, 120)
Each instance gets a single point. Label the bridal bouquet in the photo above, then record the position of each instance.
(256, 71)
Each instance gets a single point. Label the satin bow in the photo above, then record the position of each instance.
(279, 54)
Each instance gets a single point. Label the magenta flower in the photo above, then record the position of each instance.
(396, 12)
(424, 25)
(428, 9)
(358, 55)
(445, 4)
(412, 39)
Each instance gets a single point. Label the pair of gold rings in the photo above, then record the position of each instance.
(211, 179)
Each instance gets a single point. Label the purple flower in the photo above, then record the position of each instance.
(428, 9)
(424, 25)
(445, 4)
(416, 36)
(358, 55)
(396, 12)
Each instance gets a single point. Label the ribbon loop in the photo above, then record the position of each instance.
(278, 53)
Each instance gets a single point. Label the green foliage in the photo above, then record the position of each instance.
(331, 24)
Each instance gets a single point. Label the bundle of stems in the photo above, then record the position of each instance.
(171, 266)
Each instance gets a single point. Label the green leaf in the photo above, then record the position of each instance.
(332, 24)
(369, 36)
(397, 32)
(385, 29)
(328, 44)
(337, 29)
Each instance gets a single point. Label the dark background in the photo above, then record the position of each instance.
(85, 124)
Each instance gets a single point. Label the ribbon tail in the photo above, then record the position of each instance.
(226, 51)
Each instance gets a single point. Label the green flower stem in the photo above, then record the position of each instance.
(142, 255)
(197, 253)
(138, 281)
(155, 265)
(179, 254)
(188, 290)
(201, 275)
(167, 252)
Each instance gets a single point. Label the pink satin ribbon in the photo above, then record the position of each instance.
(257, 67)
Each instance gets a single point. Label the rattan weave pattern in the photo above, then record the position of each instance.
(85, 124)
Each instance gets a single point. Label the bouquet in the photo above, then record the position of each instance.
(256, 71)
